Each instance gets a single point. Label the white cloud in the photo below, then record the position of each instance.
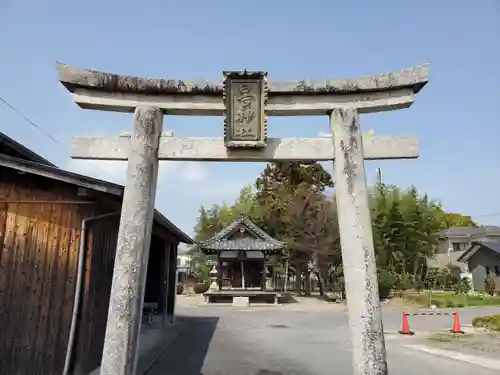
(115, 171)
(194, 172)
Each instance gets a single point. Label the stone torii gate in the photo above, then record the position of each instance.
(244, 99)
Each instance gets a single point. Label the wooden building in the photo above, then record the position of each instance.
(58, 234)
(242, 249)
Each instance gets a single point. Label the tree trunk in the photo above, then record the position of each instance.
(307, 280)
(298, 279)
(320, 283)
(415, 268)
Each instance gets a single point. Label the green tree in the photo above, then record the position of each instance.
(313, 233)
(451, 219)
(280, 189)
(405, 227)
(289, 202)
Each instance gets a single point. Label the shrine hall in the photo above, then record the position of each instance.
(240, 274)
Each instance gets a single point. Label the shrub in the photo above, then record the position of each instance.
(455, 272)
(201, 288)
(463, 286)
(489, 285)
(419, 285)
(407, 281)
(491, 322)
(203, 273)
(449, 303)
(180, 289)
(444, 278)
(385, 284)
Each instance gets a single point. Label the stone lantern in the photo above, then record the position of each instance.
(213, 279)
(269, 280)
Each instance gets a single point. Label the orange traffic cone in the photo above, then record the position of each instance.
(456, 324)
(405, 330)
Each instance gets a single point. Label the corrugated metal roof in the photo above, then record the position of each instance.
(257, 240)
(84, 181)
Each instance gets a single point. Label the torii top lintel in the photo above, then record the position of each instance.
(93, 89)
(73, 78)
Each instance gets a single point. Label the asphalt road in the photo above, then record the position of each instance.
(224, 341)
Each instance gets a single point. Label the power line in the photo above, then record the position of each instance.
(28, 120)
(493, 214)
(39, 128)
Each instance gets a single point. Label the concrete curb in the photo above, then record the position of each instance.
(488, 363)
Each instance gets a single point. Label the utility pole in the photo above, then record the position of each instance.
(379, 176)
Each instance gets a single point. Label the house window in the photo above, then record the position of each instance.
(497, 271)
(487, 270)
(459, 246)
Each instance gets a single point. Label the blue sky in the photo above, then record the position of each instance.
(456, 116)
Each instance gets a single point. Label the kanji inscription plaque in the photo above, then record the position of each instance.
(245, 121)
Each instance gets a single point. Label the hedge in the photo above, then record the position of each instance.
(491, 322)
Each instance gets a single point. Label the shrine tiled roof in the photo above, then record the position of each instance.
(256, 239)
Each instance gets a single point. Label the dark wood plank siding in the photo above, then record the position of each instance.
(99, 262)
(101, 238)
(38, 265)
(39, 246)
(155, 279)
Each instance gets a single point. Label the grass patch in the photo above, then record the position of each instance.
(450, 299)
(478, 343)
(491, 322)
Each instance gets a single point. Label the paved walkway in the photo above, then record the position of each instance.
(226, 341)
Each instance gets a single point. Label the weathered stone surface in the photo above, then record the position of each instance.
(244, 96)
(241, 301)
(73, 77)
(186, 104)
(358, 254)
(213, 149)
(134, 237)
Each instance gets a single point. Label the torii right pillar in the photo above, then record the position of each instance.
(358, 253)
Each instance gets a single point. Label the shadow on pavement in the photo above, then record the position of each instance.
(186, 354)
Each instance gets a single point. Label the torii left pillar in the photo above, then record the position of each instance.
(132, 252)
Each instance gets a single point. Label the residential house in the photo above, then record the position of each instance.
(455, 241)
(183, 267)
(483, 259)
(58, 236)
